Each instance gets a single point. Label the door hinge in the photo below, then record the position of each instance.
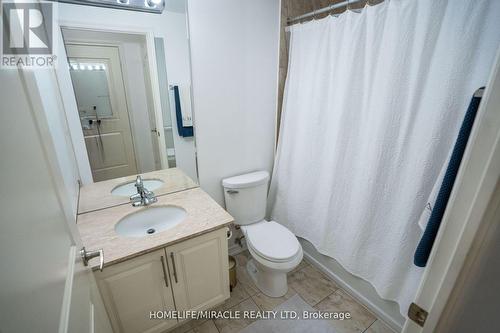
(417, 314)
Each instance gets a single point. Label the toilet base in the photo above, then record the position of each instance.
(273, 283)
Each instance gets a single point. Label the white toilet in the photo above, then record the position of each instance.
(274, 248)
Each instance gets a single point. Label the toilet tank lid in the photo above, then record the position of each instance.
(246, 180)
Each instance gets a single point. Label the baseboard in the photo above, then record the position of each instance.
(344, 285)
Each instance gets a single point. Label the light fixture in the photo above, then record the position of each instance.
(150, 6)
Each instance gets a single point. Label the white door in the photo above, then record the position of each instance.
(100, 95)
(44, 286)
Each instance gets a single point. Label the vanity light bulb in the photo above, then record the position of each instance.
(82, 67)
(96, 67)
(74, 66)
(103, 67)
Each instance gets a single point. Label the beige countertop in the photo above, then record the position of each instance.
(98, 195)
(97, 228)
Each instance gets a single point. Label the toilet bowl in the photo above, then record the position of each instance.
(274, 249)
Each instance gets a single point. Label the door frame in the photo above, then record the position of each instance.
(469, 213)
(153, 80)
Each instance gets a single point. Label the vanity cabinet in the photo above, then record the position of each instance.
(134, 288)
(190, 275)
(200, 276)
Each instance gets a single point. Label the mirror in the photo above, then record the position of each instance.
(133, 102)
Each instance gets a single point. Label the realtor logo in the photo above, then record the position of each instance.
(27, 34)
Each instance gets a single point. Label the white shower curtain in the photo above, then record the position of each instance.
(373, 103)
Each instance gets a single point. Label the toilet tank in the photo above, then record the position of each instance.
(246, 196)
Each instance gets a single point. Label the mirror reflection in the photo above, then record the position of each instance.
(128, 127)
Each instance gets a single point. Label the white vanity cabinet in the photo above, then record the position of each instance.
(199, 271)
(132, 289)
(190, 275)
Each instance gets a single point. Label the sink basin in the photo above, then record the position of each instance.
(150, 221)
(127, 189)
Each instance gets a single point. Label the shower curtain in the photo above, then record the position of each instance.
(373, 102)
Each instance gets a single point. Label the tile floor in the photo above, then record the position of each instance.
(307, 281)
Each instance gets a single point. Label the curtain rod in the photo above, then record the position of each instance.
(323, 10)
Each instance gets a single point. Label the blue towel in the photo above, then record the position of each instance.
(184, 131)
(425, 245)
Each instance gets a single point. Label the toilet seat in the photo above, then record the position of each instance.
(272, 241)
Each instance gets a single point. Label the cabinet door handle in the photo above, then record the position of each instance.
(164, 271)
(173, 263)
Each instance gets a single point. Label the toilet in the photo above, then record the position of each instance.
(275, 250)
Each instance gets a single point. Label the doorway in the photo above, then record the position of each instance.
(100, 95)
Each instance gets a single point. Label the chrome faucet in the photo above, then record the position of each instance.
(143, 197)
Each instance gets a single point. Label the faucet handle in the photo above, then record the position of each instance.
(135, 196)
(148, 193)
(149, 200)
(138, 182)
(137, 203)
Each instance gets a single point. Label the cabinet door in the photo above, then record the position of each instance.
(199, 271)
(134, 288)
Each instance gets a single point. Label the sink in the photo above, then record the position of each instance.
(127, 189)
(150, 221)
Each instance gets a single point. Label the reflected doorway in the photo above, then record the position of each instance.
(100, 95)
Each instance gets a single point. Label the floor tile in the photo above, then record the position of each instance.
(379, 327)
(237, 296)
(206, 327)
(307, 281)
(188, 326)
(235, 325)
(242, 275)
(360, 320)
(266, 303)
(311, 284)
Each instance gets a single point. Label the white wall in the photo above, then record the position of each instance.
(139, 105)
(234, 54)
(185, 150)
(170, 25)
(56, 119)
(71, 114)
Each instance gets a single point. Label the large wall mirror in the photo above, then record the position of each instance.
(133, 98)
